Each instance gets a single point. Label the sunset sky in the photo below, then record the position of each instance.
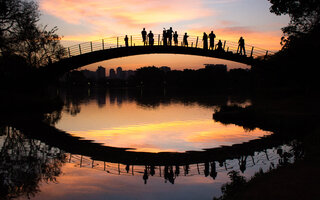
(87, 20)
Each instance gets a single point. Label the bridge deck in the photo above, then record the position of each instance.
(109, 48)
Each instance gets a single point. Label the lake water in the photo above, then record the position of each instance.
(140, 122)
(172, 126)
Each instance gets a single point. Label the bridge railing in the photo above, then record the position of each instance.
(136, 40)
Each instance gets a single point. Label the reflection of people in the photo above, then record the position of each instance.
(126, 40)
(145, 176)
(151, 40)
(152, 170)
(185, 40)
(144, 36)
(177, 172)
(212, 36)
(243, 163)
(175, 38)
(168, 174)
(241, 46)
(205, 41)
(213, 172)
(206, 169)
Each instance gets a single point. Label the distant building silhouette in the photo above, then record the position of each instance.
(112, 74)
(218, 67)
(89, 74)
(120, 73)
(165, 68)
(101, 72)
(127, 74)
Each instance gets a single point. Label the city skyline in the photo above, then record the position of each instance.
(116, 70)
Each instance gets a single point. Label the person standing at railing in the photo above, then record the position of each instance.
(205, 41)
(126, 41)
(220, 49)
(165, 37)
(241, 46)
(185, 40)
(212, 36)
(175, 38)
(151, 40)
(144, 36)
(169, 35)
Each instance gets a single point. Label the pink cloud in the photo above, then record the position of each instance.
(124, 14)
(269, 40)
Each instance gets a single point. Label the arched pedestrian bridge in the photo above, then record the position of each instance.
(83, 54)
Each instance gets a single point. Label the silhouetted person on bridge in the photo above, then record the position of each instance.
(151, 40)
(169, 35)
(219, 48)
(165, 37)
(126, 41)
(185, 40)
(205, 41)
(144, 36)
(241, 46)
(175, 38)
(212, 36)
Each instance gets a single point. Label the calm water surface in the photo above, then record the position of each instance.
(142, 123)
(171, 126)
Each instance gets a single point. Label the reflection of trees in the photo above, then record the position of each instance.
(24, 163)
(52, 118)
(73, 98)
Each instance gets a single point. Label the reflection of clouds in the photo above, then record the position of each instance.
(85, 183)
(171, 136)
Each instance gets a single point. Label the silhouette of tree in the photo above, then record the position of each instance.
(41, 47)
(304, 16)
(301, 42)
(15, 14)
(21, 35)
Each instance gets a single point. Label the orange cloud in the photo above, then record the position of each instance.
(171, 136)
(124, 14)
(269, 40)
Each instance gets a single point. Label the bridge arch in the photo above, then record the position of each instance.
(92, 52)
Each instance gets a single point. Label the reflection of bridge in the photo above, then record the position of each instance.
(266, 159)
(75, 145)
(114, 47)
(52, 144)
(19, 150)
